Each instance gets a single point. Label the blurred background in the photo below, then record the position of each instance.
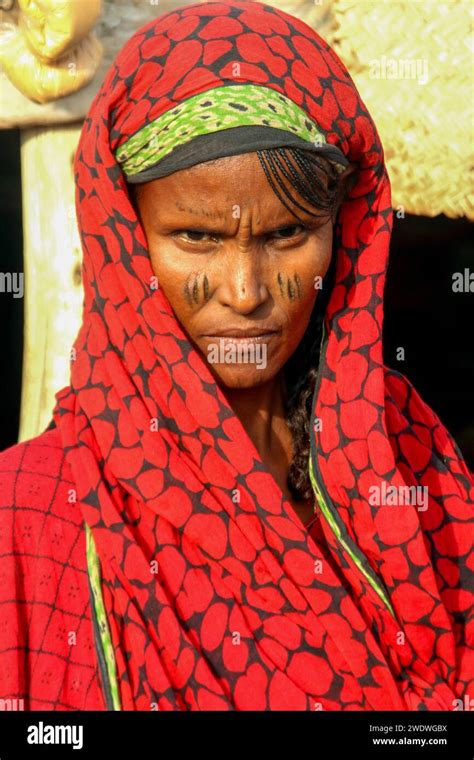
(415, 76)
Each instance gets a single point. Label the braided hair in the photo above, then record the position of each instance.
(306, 177)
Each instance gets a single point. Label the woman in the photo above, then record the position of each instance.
(162, 548)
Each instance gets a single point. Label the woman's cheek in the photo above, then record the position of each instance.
(301, 279)
(169, 265)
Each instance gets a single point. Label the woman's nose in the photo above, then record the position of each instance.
(242, 286)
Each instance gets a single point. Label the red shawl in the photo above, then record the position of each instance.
(212, 603)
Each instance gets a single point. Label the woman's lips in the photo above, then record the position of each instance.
(242, 339)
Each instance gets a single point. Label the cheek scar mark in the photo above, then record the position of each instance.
(298, 285)
(196, 290)
(290, 291)
(192, 293)
(280, 283)
(187, 294)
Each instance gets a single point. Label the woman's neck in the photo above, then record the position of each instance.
(262, 413)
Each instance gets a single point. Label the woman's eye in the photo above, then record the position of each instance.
(284, 233)
(195, 235)
(287, 232)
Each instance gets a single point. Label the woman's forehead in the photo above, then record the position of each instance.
(222, 182)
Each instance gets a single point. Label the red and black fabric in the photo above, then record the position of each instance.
(248, 609)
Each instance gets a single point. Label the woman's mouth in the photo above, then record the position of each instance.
(242, 339)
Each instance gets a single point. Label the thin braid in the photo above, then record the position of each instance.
(263, 156)
(306, 182)
(293, 177)
(303, 190)
(305, 164)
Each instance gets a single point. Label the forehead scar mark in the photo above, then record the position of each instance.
(201, 212)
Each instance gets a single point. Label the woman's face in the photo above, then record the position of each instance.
(232, 259)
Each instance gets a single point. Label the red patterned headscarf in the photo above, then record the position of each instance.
(204, 601)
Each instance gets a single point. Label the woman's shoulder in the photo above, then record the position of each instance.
(47, 655)
(37, 496)
(32, 471)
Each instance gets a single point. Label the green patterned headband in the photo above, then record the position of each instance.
(215, 110)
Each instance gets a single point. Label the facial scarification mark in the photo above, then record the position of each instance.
(291, 291)
(201, 212)
(196, 290)
(187, 292)
(191, 292)
(298, 285)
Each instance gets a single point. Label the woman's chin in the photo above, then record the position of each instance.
(242, 376)
(234, 365)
